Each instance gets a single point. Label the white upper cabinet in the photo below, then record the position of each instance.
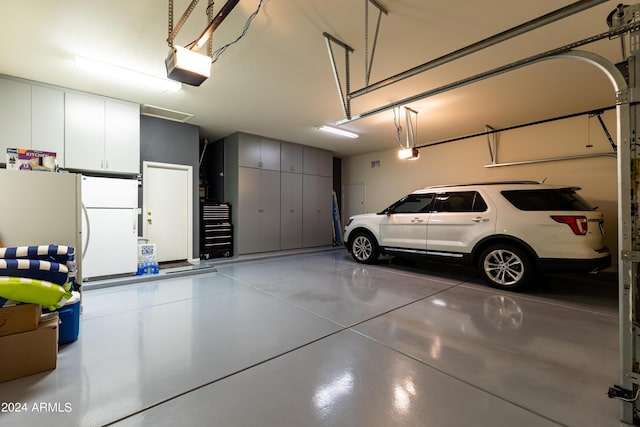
(31, 117)
(101, 134)
(122, 136)
(47, 121)
(84, 132)
(15, 116)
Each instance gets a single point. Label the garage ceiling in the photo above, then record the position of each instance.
(277, 81)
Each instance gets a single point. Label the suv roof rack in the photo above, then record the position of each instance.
(485, 183)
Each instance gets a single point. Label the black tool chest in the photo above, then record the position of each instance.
(216, 230)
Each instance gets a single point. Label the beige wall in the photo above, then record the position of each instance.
(464, 161)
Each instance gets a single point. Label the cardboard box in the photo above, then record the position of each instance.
(30, 352)
(19, 318)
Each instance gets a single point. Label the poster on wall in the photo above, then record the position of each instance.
(25, 159)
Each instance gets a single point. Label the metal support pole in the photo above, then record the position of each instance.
(626, 115)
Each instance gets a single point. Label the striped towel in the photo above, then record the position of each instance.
(56, 253)
(37, 269)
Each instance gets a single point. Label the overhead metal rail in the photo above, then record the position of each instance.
(346, 95)
(496, 71)
(493, 131)
(518, 30)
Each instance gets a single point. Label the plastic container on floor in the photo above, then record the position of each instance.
(69, 320)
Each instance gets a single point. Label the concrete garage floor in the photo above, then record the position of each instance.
(317, 340)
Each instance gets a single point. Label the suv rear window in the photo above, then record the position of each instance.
(561, 199)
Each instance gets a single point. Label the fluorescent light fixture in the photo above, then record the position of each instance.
(187, 66)
(409, 153)
(337, 131)
(121, 74)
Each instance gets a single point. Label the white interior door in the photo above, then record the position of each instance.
(167, 209)
(353, 201)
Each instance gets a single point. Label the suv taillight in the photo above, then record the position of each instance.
(578, 224)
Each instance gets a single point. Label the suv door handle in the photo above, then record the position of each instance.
(480, 219)
(417, 220)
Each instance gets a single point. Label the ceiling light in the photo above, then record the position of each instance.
(121, 74)
(187, 66)
(337, 131)
(409, 153)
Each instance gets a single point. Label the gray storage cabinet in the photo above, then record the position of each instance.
(281, 193)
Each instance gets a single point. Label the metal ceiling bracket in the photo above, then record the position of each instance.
(368, 62)
(225, 10)
(344, 100)
(492, 142)
(411, 128)
(210, 19)
(625, 96)
(173, 32)
(605, 130)
(213, 22)
(633, 256)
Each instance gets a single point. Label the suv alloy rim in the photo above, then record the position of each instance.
(362, 248)
(503, 267)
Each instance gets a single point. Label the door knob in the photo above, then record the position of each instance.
(149, 220)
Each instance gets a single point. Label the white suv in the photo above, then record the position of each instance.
(509, 230)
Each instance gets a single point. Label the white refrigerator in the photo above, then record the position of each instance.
(110, 227)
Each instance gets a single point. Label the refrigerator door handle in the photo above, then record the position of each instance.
(134, 222)
(85, 245)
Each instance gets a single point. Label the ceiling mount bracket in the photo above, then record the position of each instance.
(343, 93)
(368, 61)
(492, 143)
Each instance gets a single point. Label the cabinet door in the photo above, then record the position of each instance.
(47, 121)
(248, 210)
(122, 136)
(290, 158)
(258, 210)
(15, 116)
(257, 152)
(317, 162)
(84, 132)
(249, 151)
(270, 210)
(317, 220)
(270, 154)
(290, 210)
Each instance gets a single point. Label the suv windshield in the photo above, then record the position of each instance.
(561, 199)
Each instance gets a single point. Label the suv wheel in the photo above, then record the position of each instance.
(505, 267)
(364, 248)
